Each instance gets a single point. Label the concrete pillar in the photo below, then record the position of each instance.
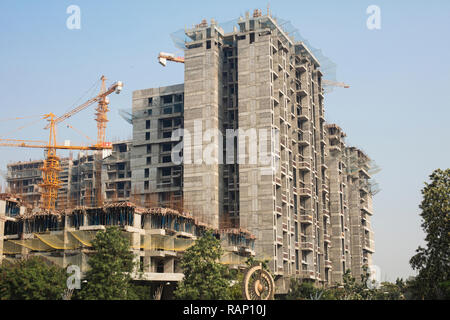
(169, 265)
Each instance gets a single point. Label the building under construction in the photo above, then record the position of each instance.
(350, 209)
(307, 210)
(158, 236)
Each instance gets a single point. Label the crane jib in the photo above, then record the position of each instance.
(114, 87)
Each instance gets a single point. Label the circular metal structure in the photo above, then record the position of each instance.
(258, 284)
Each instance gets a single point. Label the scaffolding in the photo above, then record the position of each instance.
(328, 67)
(61, 237)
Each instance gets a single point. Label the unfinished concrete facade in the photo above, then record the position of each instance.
(77, 177)
(360, 209)
(24, 178)
(116, 173)
(156, 180)
(350, 206)
(203, 118)
(10, 208)
(83, 175)
(257, 79)
(339, 206)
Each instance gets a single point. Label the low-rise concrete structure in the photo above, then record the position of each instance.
(158, 236)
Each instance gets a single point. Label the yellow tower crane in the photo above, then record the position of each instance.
(51, 168)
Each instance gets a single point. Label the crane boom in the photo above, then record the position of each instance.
(163, 57)
(116, 87)
(335, 84)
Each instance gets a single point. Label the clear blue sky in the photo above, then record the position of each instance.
(397, 108)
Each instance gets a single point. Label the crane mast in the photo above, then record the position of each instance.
(51, 169)
(102, 114)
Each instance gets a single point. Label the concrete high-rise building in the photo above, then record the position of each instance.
(156, 114)
(339, 210)
(256, 80)
(77, 177)
(360, 209)
(352, 243)
(82, 191)
(24, 178)
(116, 173)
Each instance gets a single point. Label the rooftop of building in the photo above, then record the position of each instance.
(159, 91)
(333, 126)
(361, 154)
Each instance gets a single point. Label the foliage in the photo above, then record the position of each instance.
(109, 276)
(389, 291)
(329, 294)
(251, 261)
(236, 288)
(301, 290)
(205, 278)
(354, 290)
(32, 279)
(433, 262)
(141, 291)
(350, 289)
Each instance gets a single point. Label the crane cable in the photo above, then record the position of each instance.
(19, 118)
(21, 127)
(91, 89)
(89, 92)
(80, 132)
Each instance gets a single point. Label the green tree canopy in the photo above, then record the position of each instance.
(350, 289)
(205, 278)
(109, 276)
(433, 261)
(32, 279)
(301, 290)
(389, 291)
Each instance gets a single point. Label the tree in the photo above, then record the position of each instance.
(350, 289)
(389, 291)
(433, 261)
(301, 290)
(237, 284)
(354, 290)
(32, 279)
(111, 266)
(204, 277)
